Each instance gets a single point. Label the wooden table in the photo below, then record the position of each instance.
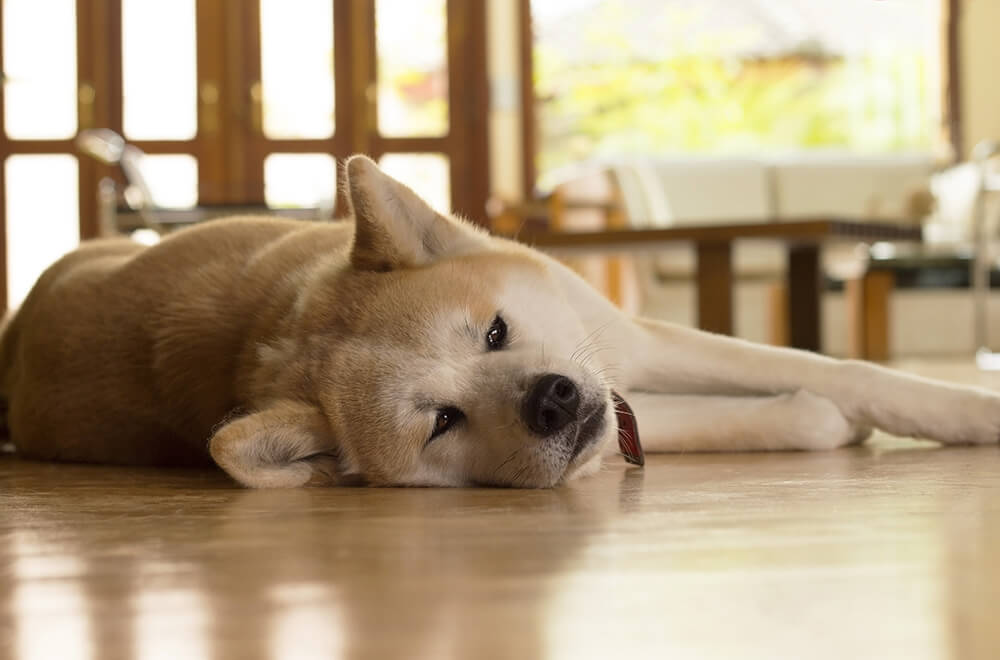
(804, 240)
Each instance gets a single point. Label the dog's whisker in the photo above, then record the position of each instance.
(607, 369)
(516, 478)
(508, 460)
(591, 340)
(593, 350)
(582, 346)
(599, 330)
(607, 373)
(586, 340)
(585, 360)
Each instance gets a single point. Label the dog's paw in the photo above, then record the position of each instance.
(910, 406)
(964, 416)
(813, 423)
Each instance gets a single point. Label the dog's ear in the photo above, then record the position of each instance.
(286, 445)
(397, 229)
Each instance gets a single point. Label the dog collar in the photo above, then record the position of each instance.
(628, 432)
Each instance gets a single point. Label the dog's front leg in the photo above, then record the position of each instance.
(685, 422)
(661, 357)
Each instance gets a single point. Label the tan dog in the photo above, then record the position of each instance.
(404, 348)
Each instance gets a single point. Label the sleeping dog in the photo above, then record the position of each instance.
(404, 347)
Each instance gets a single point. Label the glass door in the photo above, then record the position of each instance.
(161, 98)
(411, 136)
(403, 81)
(40, 177)
(429, 128)
(234, 103)
(294, 131)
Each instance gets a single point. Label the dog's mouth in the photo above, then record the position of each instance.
(593, 426)
(589, 430)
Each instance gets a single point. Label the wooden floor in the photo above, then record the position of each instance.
(886, 551)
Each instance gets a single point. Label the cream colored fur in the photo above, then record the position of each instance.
(293, 353)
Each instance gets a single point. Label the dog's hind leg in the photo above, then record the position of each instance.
(797, 420)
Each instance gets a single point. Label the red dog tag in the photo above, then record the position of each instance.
(628, 432)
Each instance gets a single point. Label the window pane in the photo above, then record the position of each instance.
(172, 180)
(412, 47)
(300, 180)
(615, 78)
(159, 74)
(39, 60)
(43, 218)
(296, 68)
(427, 174)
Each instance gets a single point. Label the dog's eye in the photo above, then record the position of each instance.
(446, 418)
(496, 336)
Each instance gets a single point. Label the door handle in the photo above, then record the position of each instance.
(208, 97)
(256, 108)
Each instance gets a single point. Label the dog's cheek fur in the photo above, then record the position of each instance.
(362, 408)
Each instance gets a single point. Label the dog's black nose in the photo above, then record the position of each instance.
(551, 404)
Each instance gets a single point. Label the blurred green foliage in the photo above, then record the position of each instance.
(609, 99)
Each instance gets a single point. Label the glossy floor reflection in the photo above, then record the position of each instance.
(891, 550)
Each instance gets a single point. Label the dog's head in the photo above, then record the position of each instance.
(437, 356)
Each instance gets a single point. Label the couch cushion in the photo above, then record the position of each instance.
(696, 191)
(847, 186)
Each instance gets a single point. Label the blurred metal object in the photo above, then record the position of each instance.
(984, 155)
(108, 147)
(107, 207)
(103, 144)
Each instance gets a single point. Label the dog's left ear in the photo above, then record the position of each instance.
(286, 445)
(397, 229)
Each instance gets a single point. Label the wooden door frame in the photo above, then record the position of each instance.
(469, 103)
(4, 151)
(97, 67)
(526, 62)
(249, 144)
(951, 114)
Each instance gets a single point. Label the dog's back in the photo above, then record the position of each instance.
(174, 320)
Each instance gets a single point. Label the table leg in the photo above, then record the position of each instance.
(805, 284)
(868, 314)
(715, 286)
